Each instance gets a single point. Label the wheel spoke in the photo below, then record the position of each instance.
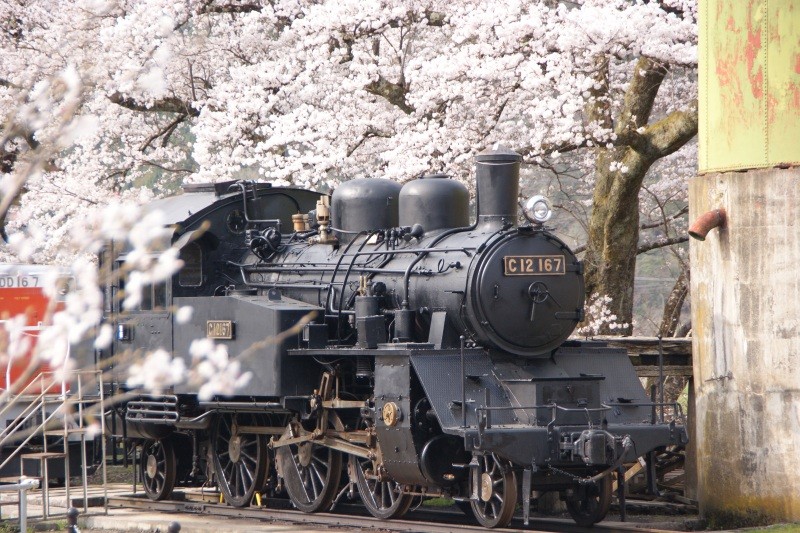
(246, 473)
(319, 479)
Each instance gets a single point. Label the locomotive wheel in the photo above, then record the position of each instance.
(241, 460)
(497, 492)
(383, 499)
(592, 503)
(157, 469)
(311, 474)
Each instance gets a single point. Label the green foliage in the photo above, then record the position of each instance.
(439, 502)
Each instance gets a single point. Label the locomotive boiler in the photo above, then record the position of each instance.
(394, 346)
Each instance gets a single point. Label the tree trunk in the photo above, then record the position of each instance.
(620, 170)
(672, 307)
(614, 233)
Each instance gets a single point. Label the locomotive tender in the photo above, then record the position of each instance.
(393, 345)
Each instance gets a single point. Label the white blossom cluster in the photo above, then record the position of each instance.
(598, 317)
(311, 92)
(108, 103)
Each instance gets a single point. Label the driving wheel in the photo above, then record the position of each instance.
(241, 460)
(311, 474)
(383, 498)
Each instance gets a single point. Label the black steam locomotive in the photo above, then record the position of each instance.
(393, 345)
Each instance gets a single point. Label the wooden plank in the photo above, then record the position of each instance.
(638, 345)
(629, 473)
(653, 371)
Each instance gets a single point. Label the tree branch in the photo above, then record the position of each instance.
(166, 132)
(641, 94)
(394, 93)
(5, 83)
(370, 133)
(230, 8)
(598, 109)
(673, 305)
(162, 167)
(165, 105)
(652, 225)
(661, 243)
(673, 131)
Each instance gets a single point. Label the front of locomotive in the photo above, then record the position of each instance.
(530, 402)
(525, 288)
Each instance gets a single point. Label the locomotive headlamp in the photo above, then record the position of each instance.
(537, 209)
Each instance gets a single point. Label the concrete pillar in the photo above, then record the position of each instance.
(746, 324)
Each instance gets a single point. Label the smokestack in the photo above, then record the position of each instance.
(497, 182)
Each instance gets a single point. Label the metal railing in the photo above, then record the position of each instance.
(22, 489)
(69, 419)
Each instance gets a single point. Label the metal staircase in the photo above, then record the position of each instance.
(44, 417)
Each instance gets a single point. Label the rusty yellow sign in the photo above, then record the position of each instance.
(749, 57)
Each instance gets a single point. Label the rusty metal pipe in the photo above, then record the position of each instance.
(715, 218)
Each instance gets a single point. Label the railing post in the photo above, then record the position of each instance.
(23, 507)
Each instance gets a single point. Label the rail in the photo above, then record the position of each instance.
(22, 489)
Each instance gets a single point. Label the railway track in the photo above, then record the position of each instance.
(353, 517)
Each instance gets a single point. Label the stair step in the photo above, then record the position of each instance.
(44, 455)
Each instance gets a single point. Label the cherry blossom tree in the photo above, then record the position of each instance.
(598, 94)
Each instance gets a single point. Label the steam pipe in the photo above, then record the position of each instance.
(716, 218)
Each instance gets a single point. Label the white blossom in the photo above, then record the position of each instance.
(184, 314)
(158, 371)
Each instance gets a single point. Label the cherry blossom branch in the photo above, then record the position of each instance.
(394, 93)
(6, 83)
(368, 134)
(663, 223)
(230, 8)
(162, 167)
(166, 132)
(164, 105)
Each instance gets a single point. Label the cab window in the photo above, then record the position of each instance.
(191, 275)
